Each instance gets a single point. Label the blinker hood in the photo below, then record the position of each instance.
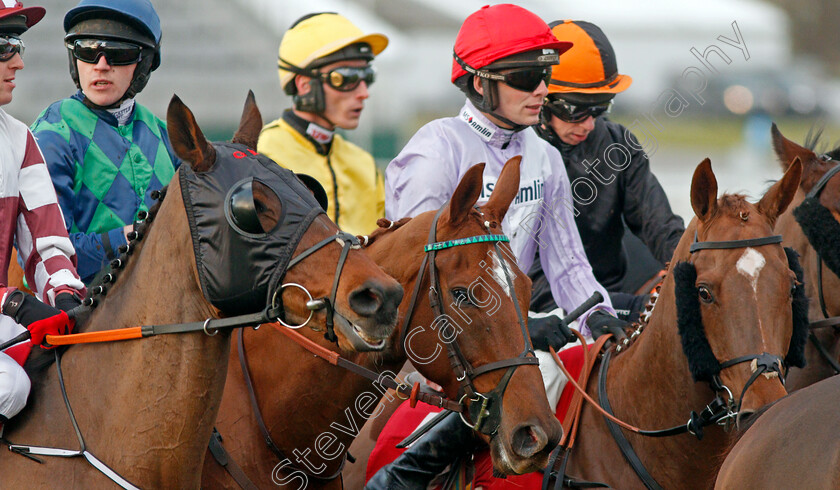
(240, 269)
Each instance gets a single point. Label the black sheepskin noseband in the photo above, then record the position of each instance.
(796, 352)
(702, 363)
(821, 229)
(701, 360)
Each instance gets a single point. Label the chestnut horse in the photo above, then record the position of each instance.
(815, 209)
(314, 418)
(793, 444)
(146, 408)
(731, 303)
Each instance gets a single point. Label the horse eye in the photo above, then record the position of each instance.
(705, 294)
(461, 296)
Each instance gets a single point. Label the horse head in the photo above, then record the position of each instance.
(813, 228)
(262, 240)
(727, 266)
(472, 340)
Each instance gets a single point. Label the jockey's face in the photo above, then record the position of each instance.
(7, 77)
(572, 133)
(104, 84)
(343, 108)
(516, 105)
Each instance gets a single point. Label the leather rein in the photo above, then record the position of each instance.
(719, 411)
(484, 409)
(210, 326)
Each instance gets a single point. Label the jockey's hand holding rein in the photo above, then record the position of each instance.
(40, 318)
(601, 322)
(548, 330)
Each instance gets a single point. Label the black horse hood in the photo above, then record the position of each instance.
(240, 265)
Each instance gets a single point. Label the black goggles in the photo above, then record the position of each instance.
(116, 53)
(347, 78)
(527, 79)
(572, 113)
(9, 45)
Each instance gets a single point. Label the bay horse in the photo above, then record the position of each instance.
(145, 408)
(793, 444)
(316, 409)
(811, 226)
(724, 315)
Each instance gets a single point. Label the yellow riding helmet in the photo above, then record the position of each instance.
(317, 36)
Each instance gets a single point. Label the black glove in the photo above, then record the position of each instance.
(600, 322)
(67, 301)
(27, 309)
(548, 331)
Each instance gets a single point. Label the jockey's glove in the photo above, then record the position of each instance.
(548, 330)
(600, 323)
(39, 318)
(66, 301)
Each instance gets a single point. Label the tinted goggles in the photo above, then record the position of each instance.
(10, 45)
(572, 113)
(347, 78)
(527, 79)
(116, 53)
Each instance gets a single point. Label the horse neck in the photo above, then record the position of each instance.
(655, 369)
(171, 382)
(400, 254)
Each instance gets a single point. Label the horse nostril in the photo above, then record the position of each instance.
(366, 300)
(528, 440)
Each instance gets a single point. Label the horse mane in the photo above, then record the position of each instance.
(813, 143)
(43, 359)
(384, 226)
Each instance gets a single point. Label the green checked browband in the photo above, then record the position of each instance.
(465, 241)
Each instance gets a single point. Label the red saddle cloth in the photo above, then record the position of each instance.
(406, 419)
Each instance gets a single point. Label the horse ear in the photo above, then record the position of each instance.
(466, 194)
(251, 123)
(186, 137)
(505, 190)
(786, 150)
(704, 191)
(779, 196)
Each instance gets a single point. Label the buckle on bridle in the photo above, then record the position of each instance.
(483, 413)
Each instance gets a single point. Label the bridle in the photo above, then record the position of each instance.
(720, 411)
(485, 409)
(347, 242)
(763, 363)
(828, 320)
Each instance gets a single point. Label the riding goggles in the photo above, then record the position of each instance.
(116, 53)
(9, 45)
(347, 78)
(572, 113)
(527, 80)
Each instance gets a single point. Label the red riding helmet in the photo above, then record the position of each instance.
(498, 37)
(17, 17)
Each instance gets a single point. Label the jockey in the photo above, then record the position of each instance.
(324, 64)
(607, 161)
(30, 215)
(502, 61)
(105, 152)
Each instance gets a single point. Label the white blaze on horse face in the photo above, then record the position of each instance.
(750, 265)
(497, 272)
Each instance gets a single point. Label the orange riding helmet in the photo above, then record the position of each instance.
(589, 67)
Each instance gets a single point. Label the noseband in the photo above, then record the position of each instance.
(347, 242)
(484, 409)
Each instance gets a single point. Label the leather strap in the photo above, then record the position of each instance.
(223, 458)
(623, 444)
(751, 242)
